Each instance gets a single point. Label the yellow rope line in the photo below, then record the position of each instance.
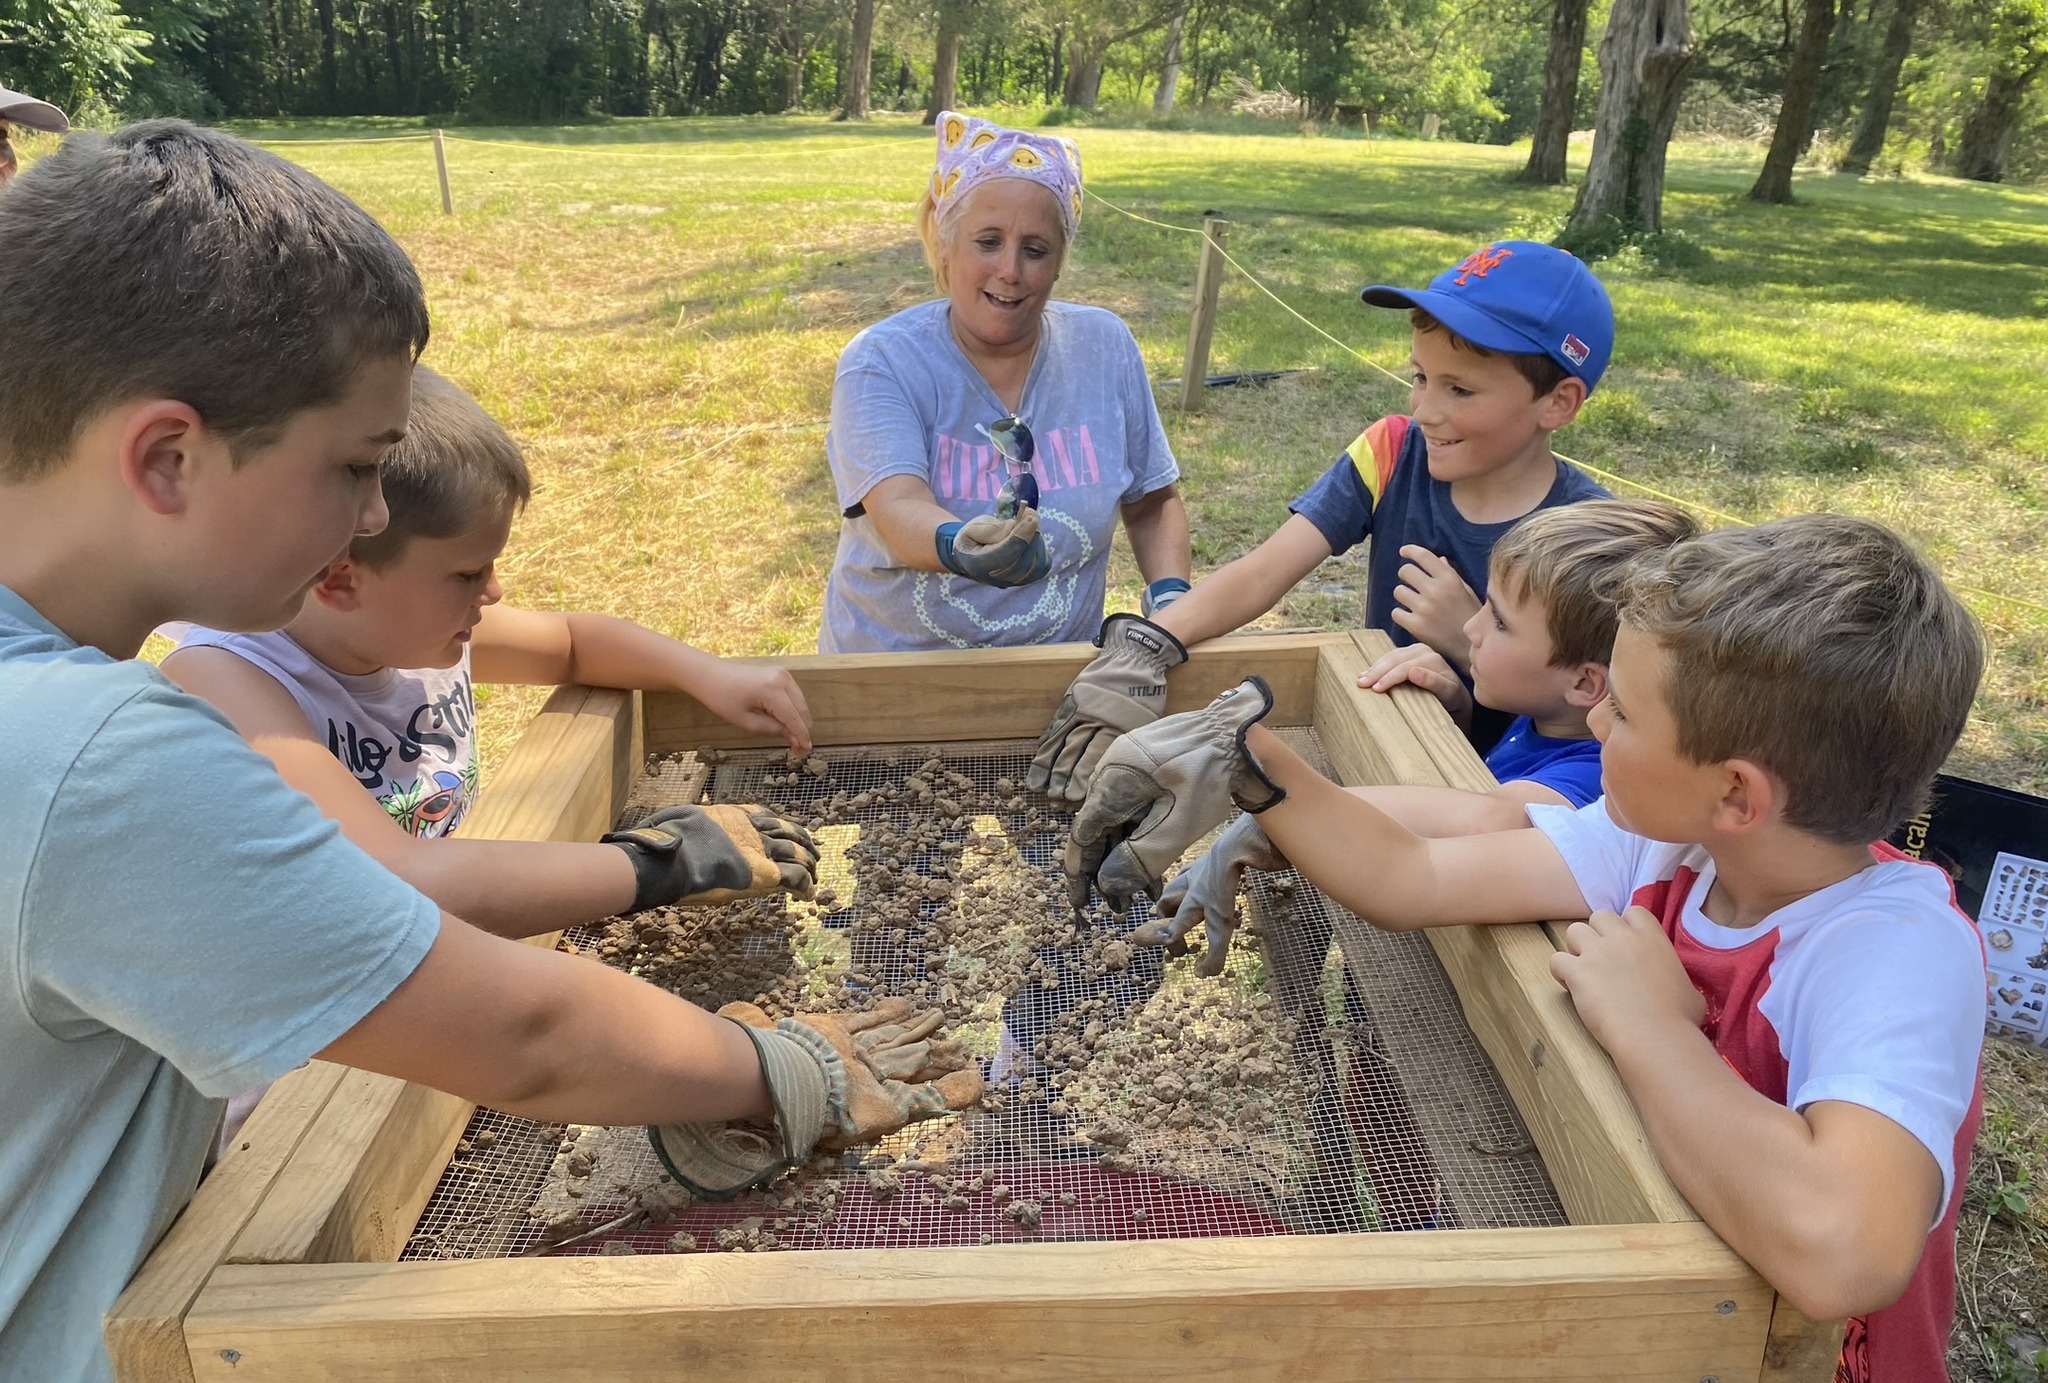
(1608, 476)
(343, 139)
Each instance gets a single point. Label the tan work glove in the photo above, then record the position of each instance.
(1205, 893)
(1163, 787)
(1124, 688)
(837, 1079)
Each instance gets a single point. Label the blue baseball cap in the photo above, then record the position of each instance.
(1522, 298)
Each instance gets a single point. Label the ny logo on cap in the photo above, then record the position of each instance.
(1482, 263)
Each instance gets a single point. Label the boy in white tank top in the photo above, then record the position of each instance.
(364, 701)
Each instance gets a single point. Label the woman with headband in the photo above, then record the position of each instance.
(986, 443)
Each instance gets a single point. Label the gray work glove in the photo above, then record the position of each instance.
(998, 549)
(716, 854)
(1205, 893)
(1124, 688)
(837, 1080)
(1162, 788)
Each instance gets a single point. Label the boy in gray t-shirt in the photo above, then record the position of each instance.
(209, 352)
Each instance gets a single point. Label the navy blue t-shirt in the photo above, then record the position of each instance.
(1569, 768)
(1381, 488)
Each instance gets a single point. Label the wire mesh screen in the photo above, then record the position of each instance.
(1326, 1082)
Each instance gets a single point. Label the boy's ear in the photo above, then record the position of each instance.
(1562, 404)
(1751, 796)
(1590, 688)
(161, 442)
(341, 590)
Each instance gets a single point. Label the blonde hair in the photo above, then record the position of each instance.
(937, 232)
(1567, 559)
(456, 468)
(1822, 648)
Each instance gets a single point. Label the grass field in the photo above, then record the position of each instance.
(655, 309)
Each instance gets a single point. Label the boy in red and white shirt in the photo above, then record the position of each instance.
(1797, 1012)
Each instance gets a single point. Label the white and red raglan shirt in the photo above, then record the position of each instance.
(1870, 991)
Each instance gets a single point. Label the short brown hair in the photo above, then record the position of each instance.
(170, 261)
(1543, 373)
(455, 469)
(1568, 559)
(1823, 649)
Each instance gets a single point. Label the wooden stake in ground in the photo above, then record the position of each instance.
(441, 167)
(1208, 281)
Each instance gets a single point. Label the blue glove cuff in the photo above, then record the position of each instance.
(1162, 593)
(943, 540)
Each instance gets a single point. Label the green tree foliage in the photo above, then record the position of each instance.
(1969, 97)
(81, 54)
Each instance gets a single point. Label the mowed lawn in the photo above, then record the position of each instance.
(654, 308)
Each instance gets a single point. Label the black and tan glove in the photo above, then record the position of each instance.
(837, 1080)
(1160, 789)
(717, 854)
(1124, 688)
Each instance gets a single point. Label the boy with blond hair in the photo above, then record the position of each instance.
(1540, 648)
(209, 353)
(1797, 1009)
(1505, 348)
(364, 700)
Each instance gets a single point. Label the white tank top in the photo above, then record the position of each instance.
(409, 737)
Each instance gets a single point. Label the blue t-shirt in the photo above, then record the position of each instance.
(1569, 768)
(907, 401)
(1381, 488)
(175, 925)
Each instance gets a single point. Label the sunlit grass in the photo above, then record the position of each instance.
(629, 296)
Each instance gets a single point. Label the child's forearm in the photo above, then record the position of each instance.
(1220, 604)
(555, 1038)
(1440, 812)
(1239, 592)
(1325, 831)
(520, 888)
(1397, 879)
(1807, 1217)
(609, 652)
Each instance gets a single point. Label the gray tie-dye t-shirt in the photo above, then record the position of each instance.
(907, 402)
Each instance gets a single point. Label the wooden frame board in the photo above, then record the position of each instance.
(283, 1267)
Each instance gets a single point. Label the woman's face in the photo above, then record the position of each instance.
(1002, 258)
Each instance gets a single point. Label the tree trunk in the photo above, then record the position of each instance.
(1055, 77)
(946, 68)
(1795, 113)
(793, 79)
(1884, 88)
(1645, 57)
(1560, 94)
(1169, 68)
(860, 62)
(1084, 75)
(1987, 132)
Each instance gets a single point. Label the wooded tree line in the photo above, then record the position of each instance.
(1953, 84)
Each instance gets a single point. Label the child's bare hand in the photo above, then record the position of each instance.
(1433, 602)
(1422, 666)
(1625, 977)
(764, 700)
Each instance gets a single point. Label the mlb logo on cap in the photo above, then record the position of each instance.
(1520, 297)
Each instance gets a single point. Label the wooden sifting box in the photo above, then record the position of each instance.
(284, 1267)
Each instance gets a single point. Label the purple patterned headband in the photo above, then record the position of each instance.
(973, 151)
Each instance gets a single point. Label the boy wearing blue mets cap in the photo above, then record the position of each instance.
(1507, 345)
